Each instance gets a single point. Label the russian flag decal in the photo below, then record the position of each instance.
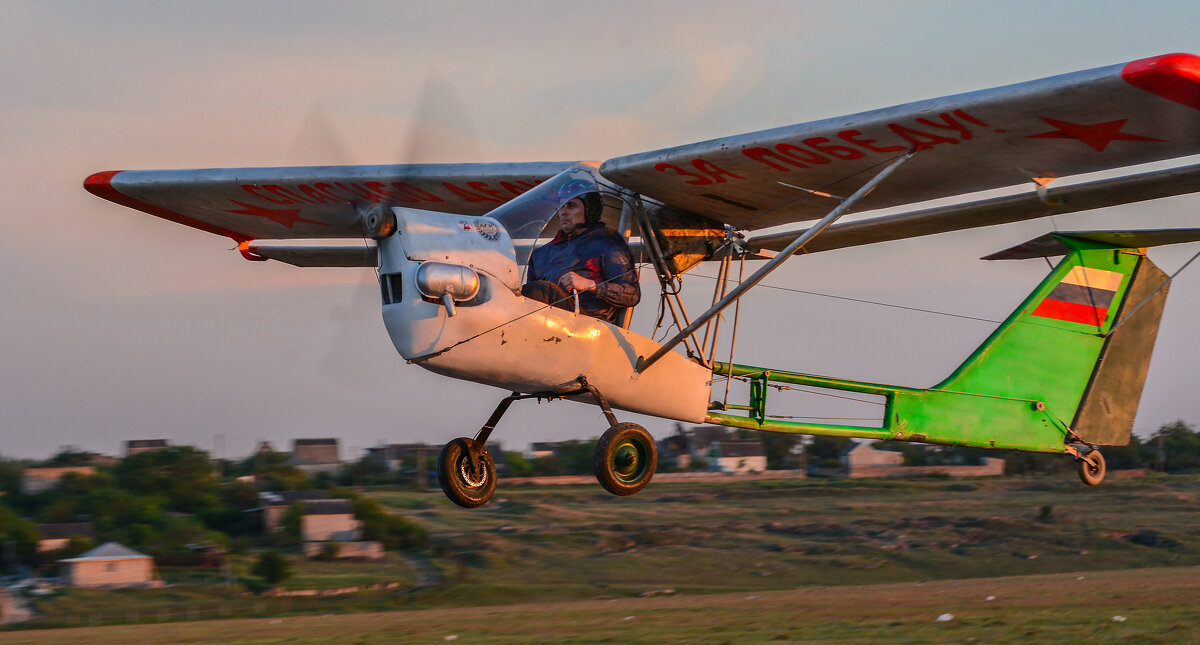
(1083, 296)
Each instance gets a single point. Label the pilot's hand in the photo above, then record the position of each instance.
(574, 281)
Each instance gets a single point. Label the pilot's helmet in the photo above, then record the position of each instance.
(586, 190)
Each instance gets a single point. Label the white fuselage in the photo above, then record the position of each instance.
(498, 337)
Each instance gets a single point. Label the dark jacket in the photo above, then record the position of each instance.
(594, 252)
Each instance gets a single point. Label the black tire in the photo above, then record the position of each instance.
(625, 459)
(459, 481)
(1089, 474)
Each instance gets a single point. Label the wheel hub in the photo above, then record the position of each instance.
(468, 474)
(627, 460)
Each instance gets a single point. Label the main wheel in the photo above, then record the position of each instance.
(625, 459)
(1089, 474)
(464, 485)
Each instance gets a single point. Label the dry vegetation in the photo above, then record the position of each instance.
(755, 561)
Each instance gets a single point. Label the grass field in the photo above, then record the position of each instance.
(573, 551)
(1142, 606)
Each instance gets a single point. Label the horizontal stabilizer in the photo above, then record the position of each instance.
(1051, 244)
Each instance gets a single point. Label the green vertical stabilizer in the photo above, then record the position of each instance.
(1049, 375)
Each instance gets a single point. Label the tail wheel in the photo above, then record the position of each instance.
(1091, 473)
(466, 486)
(625, 459)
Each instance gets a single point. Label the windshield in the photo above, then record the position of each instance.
(526, 215)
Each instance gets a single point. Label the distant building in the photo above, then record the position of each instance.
(134, 446)
(540, 449)
(860, 460)
(52, 537)
(738, 456)
(39, 480)
(109, 565)
(316, 455)
(673, 451)
(717, 446)
(328, 521)
(392, 456)
(274, 506)
(862, 455)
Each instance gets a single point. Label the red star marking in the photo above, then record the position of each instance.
(286, 216)
(1096, 136)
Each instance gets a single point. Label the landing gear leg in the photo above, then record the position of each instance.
(466, 471)
(626, 456)
(1090, 463)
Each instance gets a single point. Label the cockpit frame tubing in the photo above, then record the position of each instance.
(650, 244)
(773, 263)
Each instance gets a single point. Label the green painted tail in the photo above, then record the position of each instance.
(1066, 367)
(1056, 349)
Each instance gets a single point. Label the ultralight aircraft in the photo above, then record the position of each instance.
(1062, 374)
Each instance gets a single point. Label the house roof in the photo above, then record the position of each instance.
(108, 551)
(64, 530)
(314, 442)
(147, 443)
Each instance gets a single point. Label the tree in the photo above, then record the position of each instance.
(273, 567)
(823, 451)
(518, 465)
(779, 448)
(183, 474)
(392, 530)
(1180, 446)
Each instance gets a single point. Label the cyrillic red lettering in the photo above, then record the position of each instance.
(697, 180)
(285, 193)
(416, 193)
(713, 170)
(482, 187)
(854, 136)
(962, 114)
(840, 152)
(317, 196)
(328, 190)
(258, 191)
(798, 155)
(761, 155)
(918, 138)
(382, 189)
(359, 191)
(514, 189)
(948, 123)
(466, 194)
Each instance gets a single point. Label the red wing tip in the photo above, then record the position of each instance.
(1175, 77)
(100, 184)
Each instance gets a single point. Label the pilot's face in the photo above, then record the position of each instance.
(570, 214)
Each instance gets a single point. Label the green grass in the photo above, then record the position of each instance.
(535, 544)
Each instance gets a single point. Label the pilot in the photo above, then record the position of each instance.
(585, 257)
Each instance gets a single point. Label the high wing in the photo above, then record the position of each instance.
(1094, 120)
(313, 201)
(998, 210)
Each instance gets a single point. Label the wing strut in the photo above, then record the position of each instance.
(774, 262)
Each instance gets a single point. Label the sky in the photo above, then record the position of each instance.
(118, 325)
